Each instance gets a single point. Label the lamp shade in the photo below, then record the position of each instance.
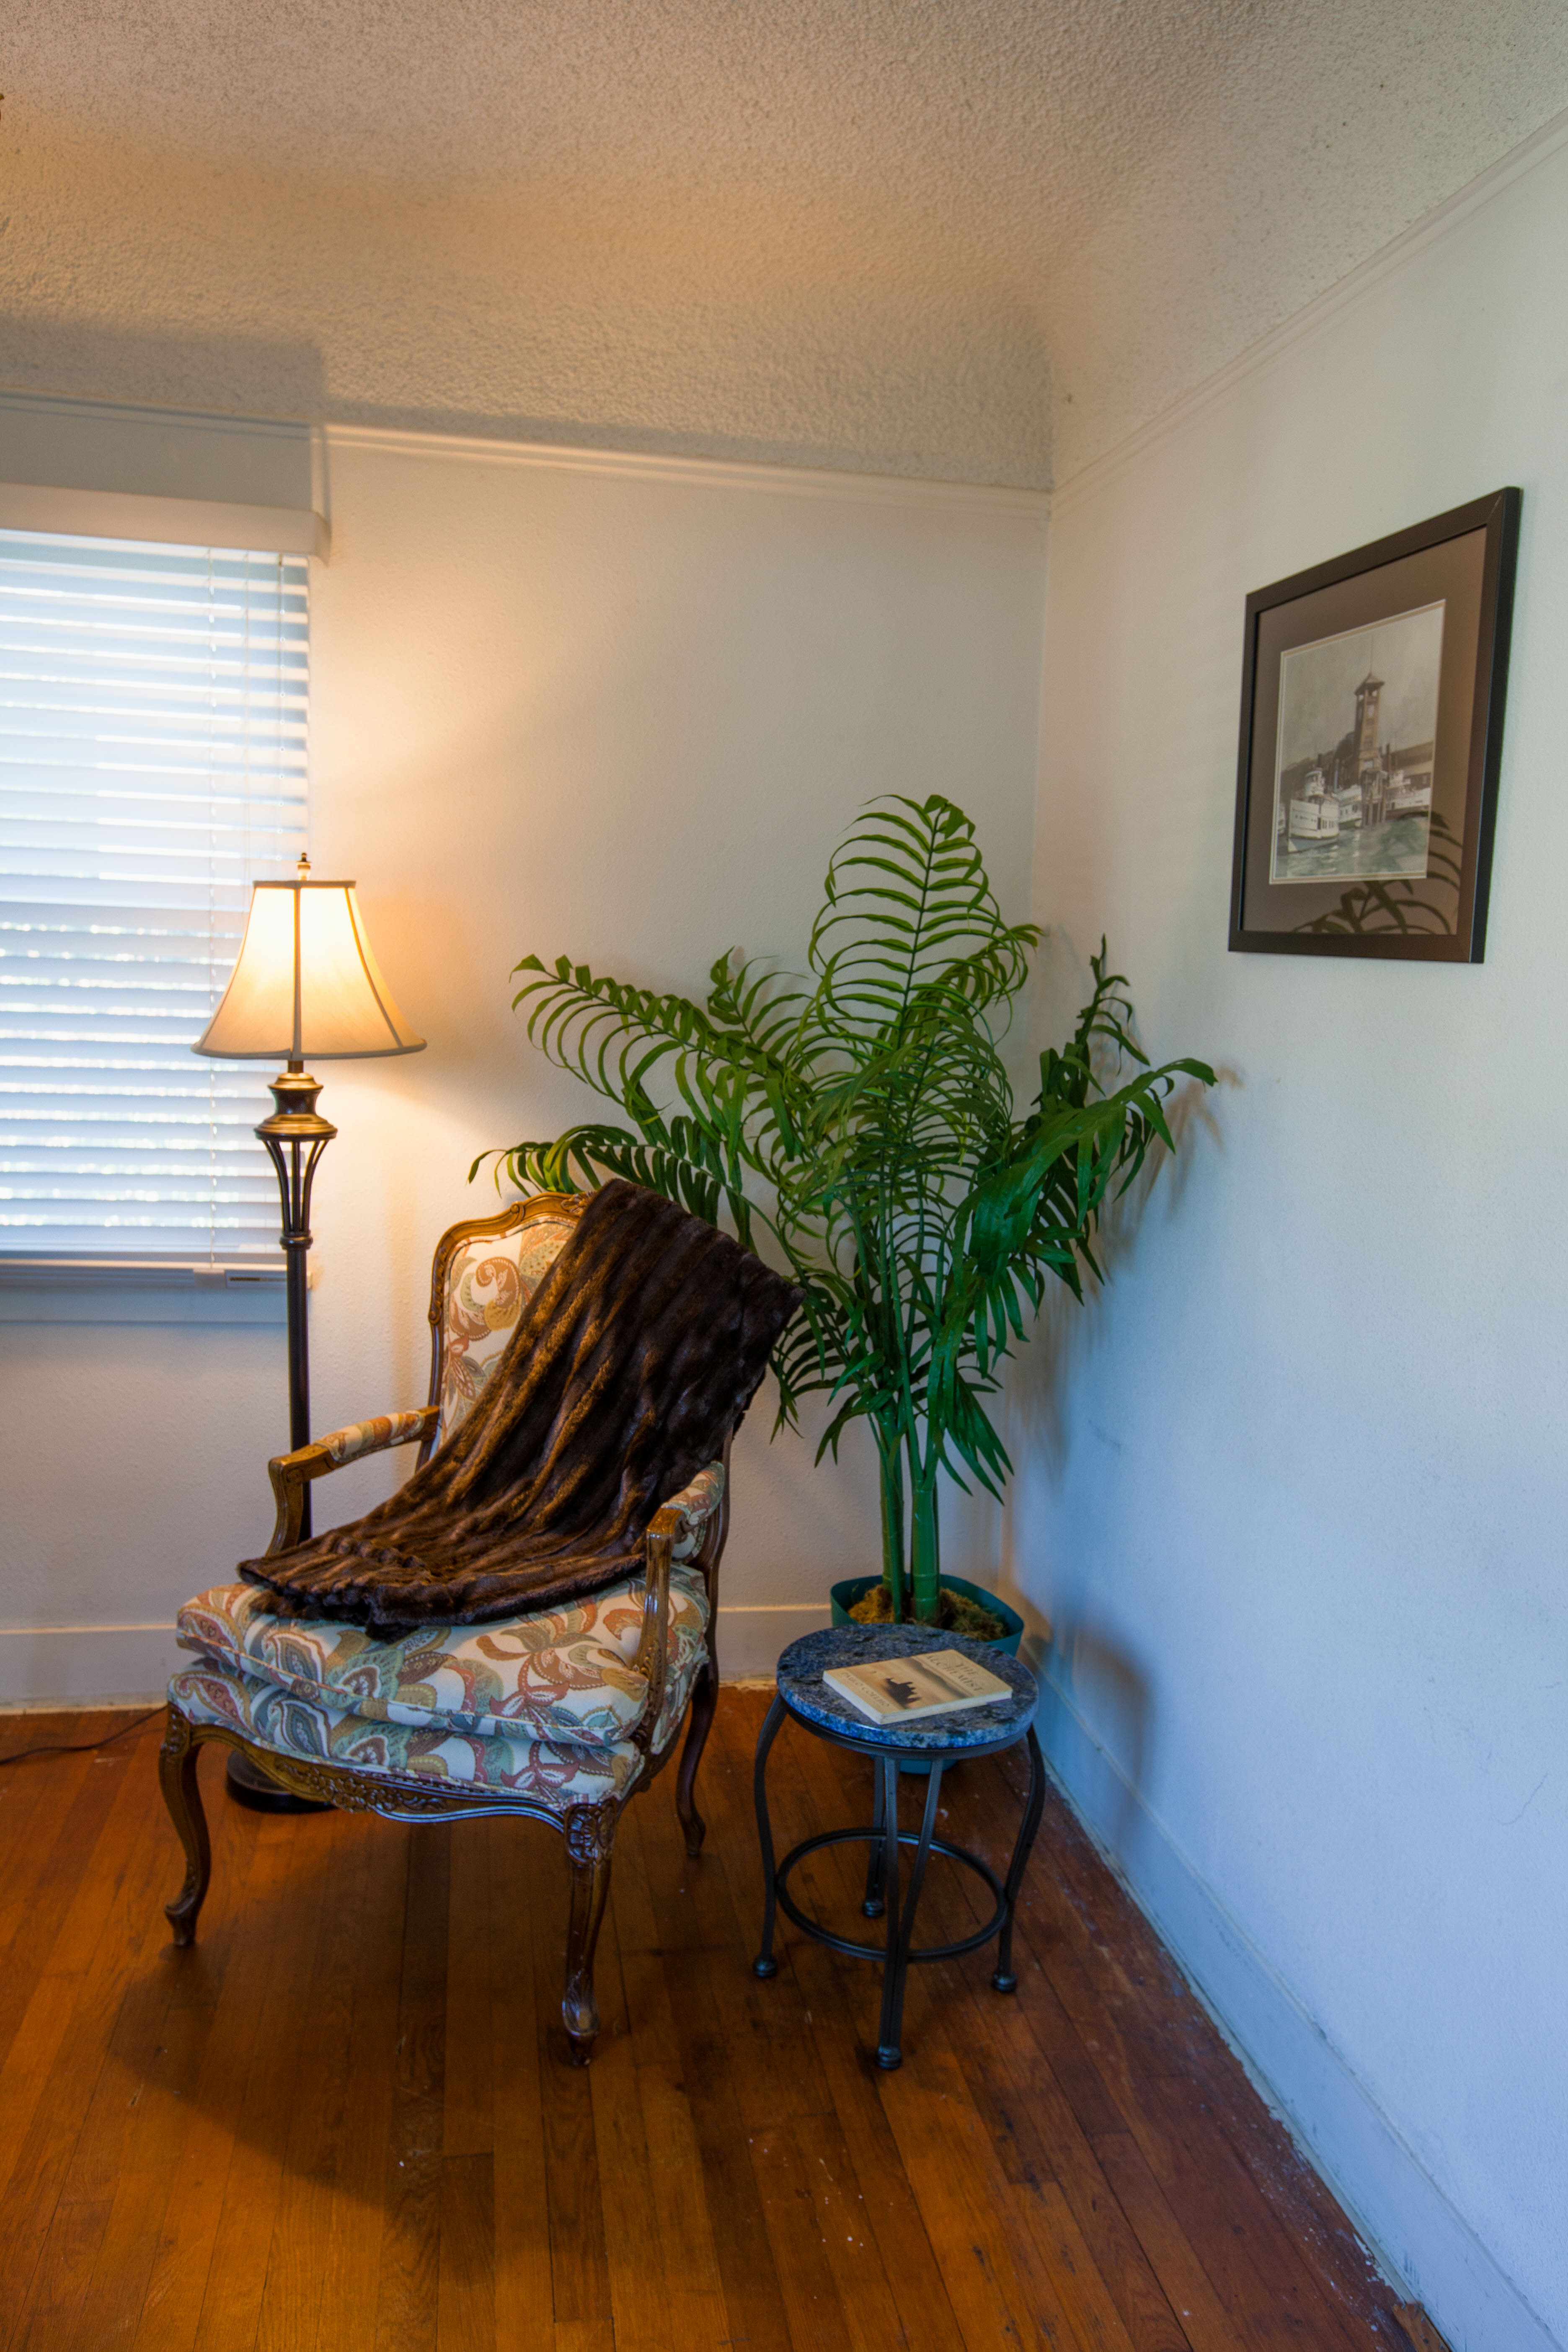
(306, 984)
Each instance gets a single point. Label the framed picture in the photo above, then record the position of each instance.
(1372, 699)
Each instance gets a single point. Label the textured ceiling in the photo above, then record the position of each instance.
(886, 233)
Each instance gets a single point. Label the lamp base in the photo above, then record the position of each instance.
(261, 1794)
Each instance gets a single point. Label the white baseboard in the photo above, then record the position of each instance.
(59, 1665)
(1412, 2230)
(749, 1640)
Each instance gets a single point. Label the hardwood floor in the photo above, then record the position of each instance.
(345, 2119)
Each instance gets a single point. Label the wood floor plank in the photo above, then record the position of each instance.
(840, 2010)
(344, 2121)
(35, 1797)
(467, 2125)
(1228, 2251)
(288, 1896)
(1111, 2080)
(349, 2250)
(466, 2306)
(574, 2170)
(65, 2277)
(176, 2288)
(633, 2249)
(112, 2313)
(50, 1841)
(891, 2207)
(297, 2278)
(1206, 2324)
(85, 1941)
(824, 2168)
(774, 2079)
(991, 2277)
(408, 2298)
(1040, 2145)
(1302, 2202)
(722, 2099)
(1140, 2025)
(526, 1877)
(69, 2148)
(1207, 2165)
(685, 2288)
(1038, 2137)
(944, 2150)
(814, 2312)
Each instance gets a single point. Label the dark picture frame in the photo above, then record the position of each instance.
(1364, 810)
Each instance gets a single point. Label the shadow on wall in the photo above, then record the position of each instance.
(1066, 1329)
(166, 367)
(1102, 1681)
(1091, 1668)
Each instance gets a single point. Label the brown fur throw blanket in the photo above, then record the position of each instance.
(634, 1358)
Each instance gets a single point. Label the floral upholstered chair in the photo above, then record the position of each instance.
(562, 1714)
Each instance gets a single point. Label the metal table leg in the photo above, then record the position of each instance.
(900, 1936)
(1003, 1977)
(876, 1860)
(765, 1965)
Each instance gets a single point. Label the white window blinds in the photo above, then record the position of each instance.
(153, 712)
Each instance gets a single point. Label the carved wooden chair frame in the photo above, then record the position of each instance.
(589, 1829)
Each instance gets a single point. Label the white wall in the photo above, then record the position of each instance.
(1294, 1488)
(616, 707)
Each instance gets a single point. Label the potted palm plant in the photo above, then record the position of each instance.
(858, 1123)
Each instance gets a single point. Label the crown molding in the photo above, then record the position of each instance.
(692, 472)
(1541, 147)
(686, 471)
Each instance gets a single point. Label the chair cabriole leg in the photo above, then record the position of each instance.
(698, 1724)
(178, 1762)
(590, 1841)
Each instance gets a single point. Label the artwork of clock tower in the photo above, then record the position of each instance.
(1368, 694)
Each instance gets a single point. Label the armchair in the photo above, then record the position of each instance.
(562, 1714)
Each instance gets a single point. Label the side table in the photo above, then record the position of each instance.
(934, 1740)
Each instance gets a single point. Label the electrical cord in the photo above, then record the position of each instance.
(82, 1747)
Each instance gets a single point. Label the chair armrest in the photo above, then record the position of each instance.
(291, 1473)
(699, 1504)
(652, 1661)
(683, 1529)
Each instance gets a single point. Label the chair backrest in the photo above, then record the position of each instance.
(483, 1276)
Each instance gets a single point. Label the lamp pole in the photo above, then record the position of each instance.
(305, 982)
(296, 1135)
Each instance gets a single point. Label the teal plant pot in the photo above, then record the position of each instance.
(854, 1588)
(844, 1596)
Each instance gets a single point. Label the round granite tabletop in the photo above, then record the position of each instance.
(804, 1692)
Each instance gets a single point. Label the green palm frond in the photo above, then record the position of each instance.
(857, 1122)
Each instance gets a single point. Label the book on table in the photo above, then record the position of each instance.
(901, 1690)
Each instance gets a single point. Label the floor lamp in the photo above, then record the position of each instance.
(305, 985)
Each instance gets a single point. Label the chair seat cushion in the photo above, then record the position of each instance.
(550, 1774)
(562, 1674)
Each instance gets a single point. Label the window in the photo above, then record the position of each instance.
(152, 713)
